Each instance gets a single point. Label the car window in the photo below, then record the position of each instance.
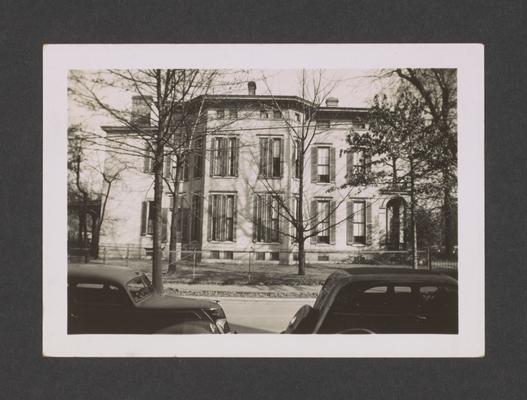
(371, 300)
(376, 289)
(101, 293)
(403, 299)
(90, 285)
(351, 299)
(402, 289)
(327, 288)
(437, 298)
(379, 299)
(139, 288)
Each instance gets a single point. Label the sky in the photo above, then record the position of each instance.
(353, 88)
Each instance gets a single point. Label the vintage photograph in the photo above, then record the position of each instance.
(250, 200)
(293, 201)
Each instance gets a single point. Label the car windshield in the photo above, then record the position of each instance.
(139, 288)
(327, 288)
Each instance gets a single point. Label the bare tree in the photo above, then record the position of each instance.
(186, 152)
(158, 117)
(97, 190)
(303, 132)
(165, 121)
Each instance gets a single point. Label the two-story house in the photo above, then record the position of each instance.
(245, 155)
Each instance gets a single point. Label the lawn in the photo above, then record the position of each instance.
(239, 274)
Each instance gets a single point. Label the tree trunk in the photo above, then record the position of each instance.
(157, 273)
(300, 213)
(95, 237)
(82, 222)
(412, 215)
(447, 216)
(173, 246)
(96, 234)
(301, 256)
(84, 218)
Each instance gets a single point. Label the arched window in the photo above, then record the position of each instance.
(396, 224)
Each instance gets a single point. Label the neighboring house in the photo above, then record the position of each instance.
(225, 205)
(84, 197)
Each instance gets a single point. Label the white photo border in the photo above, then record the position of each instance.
(468, 59)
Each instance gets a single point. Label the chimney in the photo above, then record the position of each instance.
(251, 86)
(141, 110)
(332, 102)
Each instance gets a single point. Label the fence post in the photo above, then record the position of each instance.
(127, 253)
(193, 264)
(104, 255)
(429, 258)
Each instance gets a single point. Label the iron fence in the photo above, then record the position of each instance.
(266, 264)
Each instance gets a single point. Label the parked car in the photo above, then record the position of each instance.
(381, 300)
(116, 300)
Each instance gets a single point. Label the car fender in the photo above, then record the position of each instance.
(189, 327)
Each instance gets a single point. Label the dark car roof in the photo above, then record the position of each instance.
(391, 274)
(122, 276)
(343, 277)
(103, 273)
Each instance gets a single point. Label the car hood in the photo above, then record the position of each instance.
(175, 302)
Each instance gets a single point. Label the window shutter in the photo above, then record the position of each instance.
(190, 164)
(235, 156)
(147, 162)
(264, 206)
(367, 163)
(203, 154)
(143, 218)
(281, 158)
(184, 224)
(349, 166)
(332, 164)
(369, 225)
(234, 217)
(220, 235)
(212, 155)
(282, 222)
(295, 155)
(332, 222)
(263, 157)
(314, 220)
(314, 163)
(270, 149)
(164, 221)
(200, 219)
(255, 217)
(209, 220)
(349, 222)
(187, 169)
(223, 147)
(168, 166)
(193, 209)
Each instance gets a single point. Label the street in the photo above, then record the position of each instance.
(256, 315)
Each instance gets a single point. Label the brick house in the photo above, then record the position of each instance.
(245, 147)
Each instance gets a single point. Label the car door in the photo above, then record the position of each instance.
(99, 307)
(438, 309)
(378, 307)
(356, 307)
